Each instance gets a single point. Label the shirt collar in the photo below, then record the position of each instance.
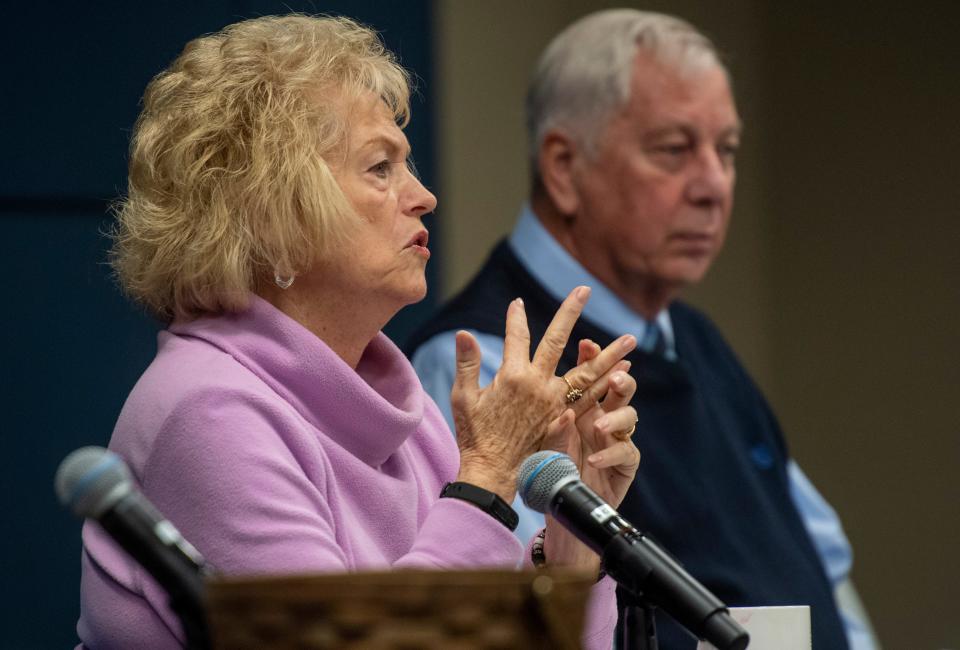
(558, 272)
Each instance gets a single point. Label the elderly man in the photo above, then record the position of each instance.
(633, 134)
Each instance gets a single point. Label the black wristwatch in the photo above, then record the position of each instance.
(486, 500)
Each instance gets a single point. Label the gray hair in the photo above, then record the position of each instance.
(584, 74)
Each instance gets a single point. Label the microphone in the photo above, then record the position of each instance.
(549, 482)
(95, 483)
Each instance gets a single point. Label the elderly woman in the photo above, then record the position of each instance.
(273, 221)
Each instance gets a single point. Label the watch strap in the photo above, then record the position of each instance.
(486, 500)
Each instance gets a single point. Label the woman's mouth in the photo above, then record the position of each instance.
(419, 243)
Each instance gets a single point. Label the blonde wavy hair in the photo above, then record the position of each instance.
(228, 177)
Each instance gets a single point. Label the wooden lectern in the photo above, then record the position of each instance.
(453, 610)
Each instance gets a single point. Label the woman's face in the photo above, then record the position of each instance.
(387, 257)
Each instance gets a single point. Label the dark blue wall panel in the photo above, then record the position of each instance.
(74, 74)
(71, 346)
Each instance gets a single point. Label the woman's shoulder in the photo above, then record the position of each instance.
(188, 373)
(194, 396)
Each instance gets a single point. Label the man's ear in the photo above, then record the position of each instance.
(558, 155)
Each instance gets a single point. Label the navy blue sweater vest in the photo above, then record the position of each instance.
(712, 486)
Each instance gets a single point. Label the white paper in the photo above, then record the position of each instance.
(772, 628)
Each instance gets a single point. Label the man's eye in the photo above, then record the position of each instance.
(676, 149)
(728, 150)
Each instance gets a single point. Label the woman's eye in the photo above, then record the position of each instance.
(381, 169)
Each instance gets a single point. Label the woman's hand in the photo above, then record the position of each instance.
(598, 439)
(500, 425)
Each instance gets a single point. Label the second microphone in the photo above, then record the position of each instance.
(549, 482)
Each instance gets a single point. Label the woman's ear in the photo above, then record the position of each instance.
(558, 155)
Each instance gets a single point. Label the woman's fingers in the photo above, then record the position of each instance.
(466, 382)
(562, 433)
(516, 341)
(615, 425)
(555, 338)
(597, 390)
(587, 350)
(622, 456)
(585, 375)
(621, 387)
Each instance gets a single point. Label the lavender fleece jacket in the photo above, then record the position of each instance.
(272, 456)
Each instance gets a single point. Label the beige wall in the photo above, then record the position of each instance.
(865, 273)
(839, 284)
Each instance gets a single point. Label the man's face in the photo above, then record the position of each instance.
(654, 199)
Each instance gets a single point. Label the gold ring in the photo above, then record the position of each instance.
(573, 394)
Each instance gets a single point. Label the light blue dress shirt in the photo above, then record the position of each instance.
(557, 272)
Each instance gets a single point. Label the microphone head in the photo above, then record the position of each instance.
(541, 475)
(90, 480)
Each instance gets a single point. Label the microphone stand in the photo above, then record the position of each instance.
(194, 622)
(631, 570)
(638, 627)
